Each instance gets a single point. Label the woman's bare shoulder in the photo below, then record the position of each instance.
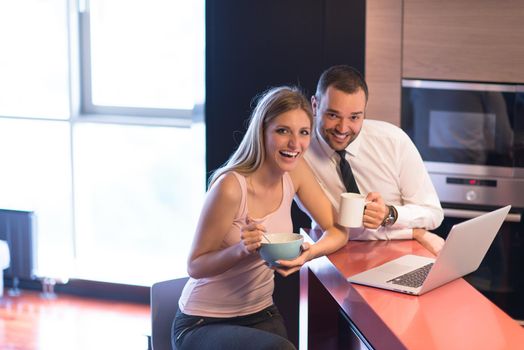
(301, 175)
(227, 187)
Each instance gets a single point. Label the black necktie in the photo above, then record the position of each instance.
(347, 174)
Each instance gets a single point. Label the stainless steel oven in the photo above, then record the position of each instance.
(471, 138)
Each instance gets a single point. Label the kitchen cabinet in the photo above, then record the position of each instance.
(459, 40)
(383, 59)
(466, 40)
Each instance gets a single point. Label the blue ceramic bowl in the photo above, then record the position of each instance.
(282, 246)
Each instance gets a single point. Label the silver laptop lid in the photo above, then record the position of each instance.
(466, 245)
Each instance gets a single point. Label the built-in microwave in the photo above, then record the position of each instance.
(469, 134)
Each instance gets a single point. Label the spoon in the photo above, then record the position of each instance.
(250, 220)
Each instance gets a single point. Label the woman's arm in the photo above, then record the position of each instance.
(318, 205)
(207, 257)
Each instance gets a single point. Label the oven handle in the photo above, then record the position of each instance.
(455, 85)
(469, 214)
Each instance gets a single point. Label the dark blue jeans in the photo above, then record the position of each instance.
(262, 330)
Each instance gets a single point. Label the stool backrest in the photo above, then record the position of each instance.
(164, 305)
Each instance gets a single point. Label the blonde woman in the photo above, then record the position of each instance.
(227, 302)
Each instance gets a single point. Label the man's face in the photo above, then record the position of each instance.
(339, 116)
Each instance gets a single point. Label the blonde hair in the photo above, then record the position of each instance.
(251, 152)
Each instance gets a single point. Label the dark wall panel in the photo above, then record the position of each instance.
(253, 45)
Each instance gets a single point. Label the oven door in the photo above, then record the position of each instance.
(465, 123)
(500, 276)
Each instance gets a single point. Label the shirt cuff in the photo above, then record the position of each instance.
(402, 217)
(405, 233)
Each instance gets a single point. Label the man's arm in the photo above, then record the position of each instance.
(417, 205)
(428, 240)
(420, 206)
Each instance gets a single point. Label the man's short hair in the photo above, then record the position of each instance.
(341, 77)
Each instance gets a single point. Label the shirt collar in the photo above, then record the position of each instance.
(326, 149)
(354, 146)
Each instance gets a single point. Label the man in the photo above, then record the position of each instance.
(386, 166)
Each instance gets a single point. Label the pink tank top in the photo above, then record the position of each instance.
(248, 286)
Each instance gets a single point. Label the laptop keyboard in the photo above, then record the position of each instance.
(413, 278)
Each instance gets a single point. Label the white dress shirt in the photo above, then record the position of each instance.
(384, 160)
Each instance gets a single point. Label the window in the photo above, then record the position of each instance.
(143, 57)
(100, 155)
(138, 192)
(36, 176)
(34, 81)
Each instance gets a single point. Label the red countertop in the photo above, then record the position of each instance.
(453, 316)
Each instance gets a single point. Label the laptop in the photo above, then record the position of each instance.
(462, 253)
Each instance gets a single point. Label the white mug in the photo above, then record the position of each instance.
(351, 210)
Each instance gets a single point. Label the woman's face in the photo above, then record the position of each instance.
(286, 139)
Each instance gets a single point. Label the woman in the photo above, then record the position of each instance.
(227, 303)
